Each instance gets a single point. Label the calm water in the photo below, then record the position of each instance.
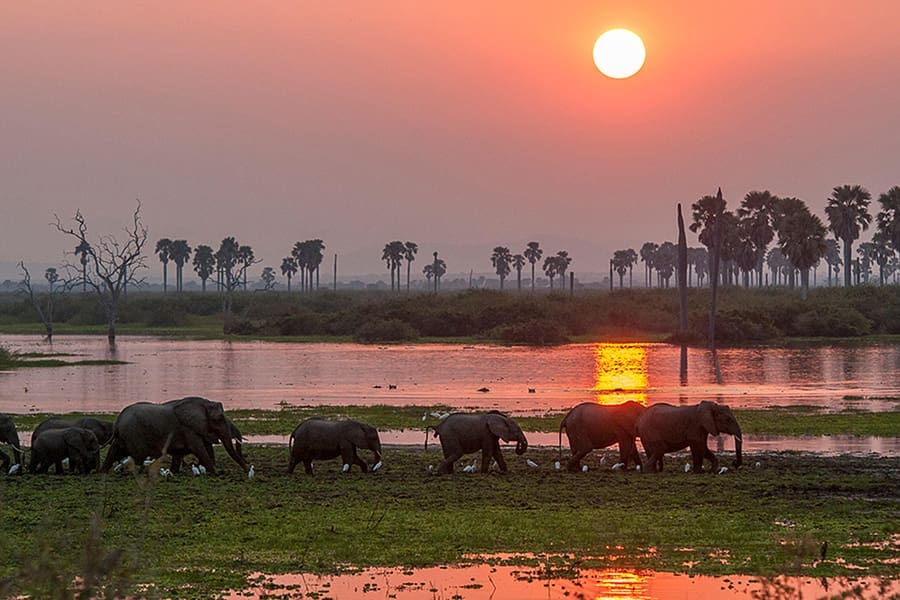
(263, 374)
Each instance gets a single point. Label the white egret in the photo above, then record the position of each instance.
(687, 467)
(195, 470)
(758, 464)
(584, 469)
(202, 469)
(14, 469)
(602, 460)
(345, 468)
(65, 462)
(251, 473)
(377, 466)
(556, 465)
(530, 462)
(147, 462)
(723, 470)
(618, 466)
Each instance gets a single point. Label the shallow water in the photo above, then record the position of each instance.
(477, 582)
(263, 374)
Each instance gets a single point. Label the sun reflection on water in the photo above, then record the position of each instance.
(620, 373)
(620, 585)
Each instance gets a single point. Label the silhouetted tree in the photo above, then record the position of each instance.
(501, 259)
(889, 217)
(866, 252)
(832, 259)
(562, 265)
(268, 278)
(288, 269)
(245, 255)
(620, 262)
(438, 270)
(801, 237)
(392, 255)
(848, 213)
(179, 252)
(82, 252)
(518, 263)
(163, 249)
(533, 253)
(114, 264)
(648, 255)
(757, 213)
(43, 303)
(409, 253)
(882, 252)
(666, 261)
(204, 263)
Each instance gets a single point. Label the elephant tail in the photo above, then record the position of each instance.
(427, 427)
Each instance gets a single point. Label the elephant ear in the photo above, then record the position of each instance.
(195, 413)
(73, 439)
(357, 435)
(707, 419)
(500, 427)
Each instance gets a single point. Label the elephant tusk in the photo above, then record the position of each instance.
(738, 438)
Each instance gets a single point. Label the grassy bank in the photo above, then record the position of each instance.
(745, 315)
(789, 421)
(192, 537)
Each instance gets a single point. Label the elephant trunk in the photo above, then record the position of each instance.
(738, 441)
(233, 453)
(521, 445)
(18, 454)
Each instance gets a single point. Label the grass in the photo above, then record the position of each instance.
(193, 537)
(14, 360)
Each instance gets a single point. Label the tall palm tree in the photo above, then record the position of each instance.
(889, 216)
(428, 271)
(551, 268)
(392, 255)
(785, 210)
(632, 258)
(245, 256)
(801, 237)
(316, 253)
(288, 269)
(204, 263)
(501, 259)
(698, 262)
(866, 252)
(179, 252)
(848, 213)
(757, 214)
(300, 252)
(518, 263)
(533, 253)
(648, 255)
(83, 249)
(562, 265)
(882, 252)
(438, 269)
(666, 260)
(163, 248)
(409, 253)
(620, 262)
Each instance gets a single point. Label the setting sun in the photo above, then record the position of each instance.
(619, 53)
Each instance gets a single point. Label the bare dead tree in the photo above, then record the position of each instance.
(111, 264)
(43, 302)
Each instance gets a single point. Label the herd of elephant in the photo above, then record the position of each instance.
(190, 426)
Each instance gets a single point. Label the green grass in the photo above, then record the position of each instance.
(788, 421)
(193, 537)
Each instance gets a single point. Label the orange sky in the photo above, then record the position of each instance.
(459, 125)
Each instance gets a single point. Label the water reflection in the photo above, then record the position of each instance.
(486, 582)
(620, 373)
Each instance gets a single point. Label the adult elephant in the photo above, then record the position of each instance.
(321, 439)
(665, 428)
(102, 429)
(590, 425)
(464, 433)
(237, 439)
(187, 425)
(77, 444)
(9, 436)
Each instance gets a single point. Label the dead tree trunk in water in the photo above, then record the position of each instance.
(682, 296)
(716, 251)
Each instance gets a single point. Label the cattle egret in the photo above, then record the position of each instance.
(723, 470)
(345, 468)
(65, 462)
(195, 470)
(556, 465)
(148, 461)
(584, 469)
(165, 472)
(687, 467)
(758, 464)
(377, 466)
(251, 473)
(14, 469)
(430, 468)
(424, 417)
(637, 467)
(618, 466)
(202, 469)
(468, 469)
(602, 460)
(530, 463)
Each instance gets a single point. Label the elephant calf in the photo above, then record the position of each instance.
(77, 444)
(463, 433)
(320, 439)
(590, 425)
(102, 429)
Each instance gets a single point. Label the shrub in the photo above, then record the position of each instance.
(831, 321)
(535, 332)
(386, 330)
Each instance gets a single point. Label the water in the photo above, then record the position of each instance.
(263, 375)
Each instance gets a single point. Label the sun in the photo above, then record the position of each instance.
(619, 53)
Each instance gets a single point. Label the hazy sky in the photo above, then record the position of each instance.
(457, 125)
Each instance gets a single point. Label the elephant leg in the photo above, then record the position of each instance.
(307, 466)
(498, 456)
(292, 462)
(446, 465)
(349, 457)
(707, 454)
(198, 448)
(212, 454)
(116, 452)
(59, 466)
(574, 463)
(177, 460)
(4, 461)
(654, 462)
(357, 460)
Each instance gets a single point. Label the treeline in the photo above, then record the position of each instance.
(745, 315)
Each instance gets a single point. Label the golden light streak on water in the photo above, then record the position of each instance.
(620, 373)
(620, 585)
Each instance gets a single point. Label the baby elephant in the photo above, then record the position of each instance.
(319, 439)
(53, 446)
(463, 433)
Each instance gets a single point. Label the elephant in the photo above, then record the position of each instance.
(590, 425)
(464, 433)
(186, 425)
(666, 428)
(236, 437)
(321, 439)
(78, 444)
(9, 436)
(102, 429)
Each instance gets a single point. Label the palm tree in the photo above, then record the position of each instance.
(288, 269)
(268, 278)
(648, 255)
(620, 263)
(428, 271)
(392, 255)
(562, 265)
(746, 253)
(666, 260)
(848, 212)
(889, 216)
(698, 262)
(518, 263)
(52, 277)
(551, 266)
(632, 258)
(163, 247)
(204, 263)
(757, 214)
(179, 252)
(316, 254)
(785, 210)
(84, 250)
(300, 252)
(501, 259)
(801, 237)
(866, 252)
(778, 264)
(409, 253)
(832, 259)
(533, 253)
(438, 269)
(882, 252)
(245, 256)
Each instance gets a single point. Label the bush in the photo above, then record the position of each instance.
(386, 330)
(535, 332)
(301, 322)
(831, 321)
